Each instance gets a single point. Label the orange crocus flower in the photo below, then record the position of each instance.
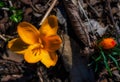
(108, 43)
(38, 45)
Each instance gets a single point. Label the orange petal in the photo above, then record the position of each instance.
(17, 45)
(33, 54)
(49, 26)
(108, 43)
(32, 57)
(28, 33)
(52, 43)
(48, 59)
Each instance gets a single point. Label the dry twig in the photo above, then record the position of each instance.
(48, 11)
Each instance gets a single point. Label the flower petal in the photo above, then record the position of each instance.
(33, 53)
(108, 43)
(49, 26)
(48, 59)
(32, 57)
(52, 43)
(28, 33)
(17, 45)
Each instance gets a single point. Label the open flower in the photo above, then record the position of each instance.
(38, 45)
(108, 43)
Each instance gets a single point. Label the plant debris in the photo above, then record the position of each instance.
(82, 25)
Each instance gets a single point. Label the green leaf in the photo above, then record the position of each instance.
(98, 58)
(103, 55)
(90, 64)
(12, 8)
(96, 67)
(116, 49)
(115, 53)
(17, 16)
(105, 62)
(2, 4)
(19, 12)
(115, 61)
(107, 67)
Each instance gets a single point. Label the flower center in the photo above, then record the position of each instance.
(36, 47)
(40, 42)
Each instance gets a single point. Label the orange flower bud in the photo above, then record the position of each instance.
(108, 43)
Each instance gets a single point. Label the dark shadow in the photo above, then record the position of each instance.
(79, 71)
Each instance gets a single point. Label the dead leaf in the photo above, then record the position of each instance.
(77, 24)
(28, 2)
